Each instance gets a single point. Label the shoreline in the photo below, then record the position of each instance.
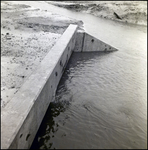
(112, 10)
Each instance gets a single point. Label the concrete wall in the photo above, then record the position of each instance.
(22, 116)
(88, 43)
(79, 41)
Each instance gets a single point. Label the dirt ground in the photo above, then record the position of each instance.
(28, 33)
(125, 11)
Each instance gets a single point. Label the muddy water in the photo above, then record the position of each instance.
(101, 101)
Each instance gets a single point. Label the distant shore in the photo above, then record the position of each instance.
(125, 11)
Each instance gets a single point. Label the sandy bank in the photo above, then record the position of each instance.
(125, 11)
(27, 35)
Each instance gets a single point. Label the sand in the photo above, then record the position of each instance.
(134, 12)
(27, 35)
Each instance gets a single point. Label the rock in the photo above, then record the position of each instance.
(8, 38)
(117, 16)
(30, 26)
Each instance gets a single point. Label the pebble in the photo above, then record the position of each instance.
(8, 38)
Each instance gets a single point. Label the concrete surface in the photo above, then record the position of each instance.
(22, 116)
(88, 43)
(79, 41)
(29, 30)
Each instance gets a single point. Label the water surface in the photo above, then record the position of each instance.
(101, 101)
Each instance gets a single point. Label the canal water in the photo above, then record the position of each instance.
(101, 100)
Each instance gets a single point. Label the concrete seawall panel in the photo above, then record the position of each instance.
(22, 116)
(79, 41)
(88, 43)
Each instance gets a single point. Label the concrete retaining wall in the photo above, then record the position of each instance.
(88, 43)
(22, 116)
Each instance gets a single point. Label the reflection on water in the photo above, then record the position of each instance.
(49, 127)
(100, 103)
